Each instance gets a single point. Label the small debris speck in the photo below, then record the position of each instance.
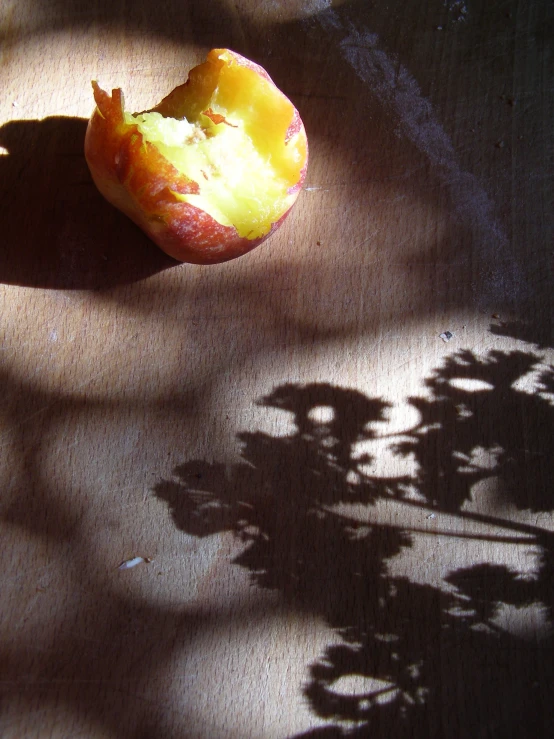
(127, 564)
(495, 315)
(500, 144)
(446, 336)
(432, 515)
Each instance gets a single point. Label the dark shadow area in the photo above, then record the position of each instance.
(539, 331)
(184, 21)
(437, 661)
(515, 426)
(100, 672)
(57, 230)
(97, 647)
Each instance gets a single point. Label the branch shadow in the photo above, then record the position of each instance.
(428, 660)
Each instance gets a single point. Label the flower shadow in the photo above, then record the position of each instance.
(428, 659)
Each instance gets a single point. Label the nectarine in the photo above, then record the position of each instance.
(212, 170)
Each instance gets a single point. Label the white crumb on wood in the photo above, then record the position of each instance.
(128, 563)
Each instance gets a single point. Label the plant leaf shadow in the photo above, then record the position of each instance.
(57, 230)
(428, 660)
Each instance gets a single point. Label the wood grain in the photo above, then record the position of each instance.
(348, 518)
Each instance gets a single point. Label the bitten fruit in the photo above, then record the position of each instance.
(211, 171)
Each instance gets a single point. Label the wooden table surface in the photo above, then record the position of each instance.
(346, 520)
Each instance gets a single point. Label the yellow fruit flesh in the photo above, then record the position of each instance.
(240, 185)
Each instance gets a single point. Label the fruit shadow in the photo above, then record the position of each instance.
(57, 230)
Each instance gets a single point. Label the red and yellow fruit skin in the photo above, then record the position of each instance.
(137, 179)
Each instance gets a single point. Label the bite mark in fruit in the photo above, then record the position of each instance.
(212, 170)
